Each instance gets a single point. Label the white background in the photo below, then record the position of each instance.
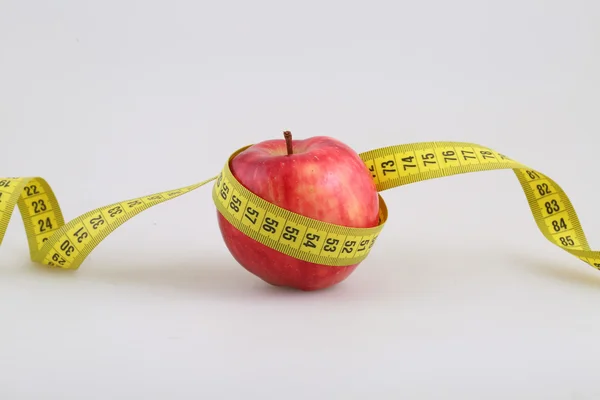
(462, 297)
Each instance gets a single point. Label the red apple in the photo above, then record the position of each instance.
(320, 178)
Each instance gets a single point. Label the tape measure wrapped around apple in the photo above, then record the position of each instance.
(297, 213)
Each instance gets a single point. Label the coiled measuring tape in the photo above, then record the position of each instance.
(66, 245)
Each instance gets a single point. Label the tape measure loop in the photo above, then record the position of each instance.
(314, 241)
(66, 245)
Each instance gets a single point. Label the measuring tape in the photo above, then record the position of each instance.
(66, 245)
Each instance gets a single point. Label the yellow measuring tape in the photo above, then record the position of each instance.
(58, 244)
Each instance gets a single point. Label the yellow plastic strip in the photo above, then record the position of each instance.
(550, 206)
(54, 243)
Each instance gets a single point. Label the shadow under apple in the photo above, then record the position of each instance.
(210, 276)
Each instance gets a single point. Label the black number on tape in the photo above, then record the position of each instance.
(486, 154)
(39, 206)
(310, 239)
(45, 224)
(372, 169)
(348, 246)
(532, 174)
(408, 160)
(291, 233)
(5, 183)
(224, 191)
(56, 257)
(235, 203)
(427, 158)
(552, 206)
(363, 245)
(449, 155)
(80, 235)
(251, 214)
(113, 212)
(558, 225)
(270, 225)
(466, 155)
(543, 189)
(331, 245)
(373, 241)
(31, 190)
(387, 166)
(67, 247)
(134, 203)
(567, 241)
(97, 221)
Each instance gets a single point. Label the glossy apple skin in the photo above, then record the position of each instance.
(323, 179)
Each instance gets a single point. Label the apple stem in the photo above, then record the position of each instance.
(288, 141)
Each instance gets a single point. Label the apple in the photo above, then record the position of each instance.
(318, 177)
